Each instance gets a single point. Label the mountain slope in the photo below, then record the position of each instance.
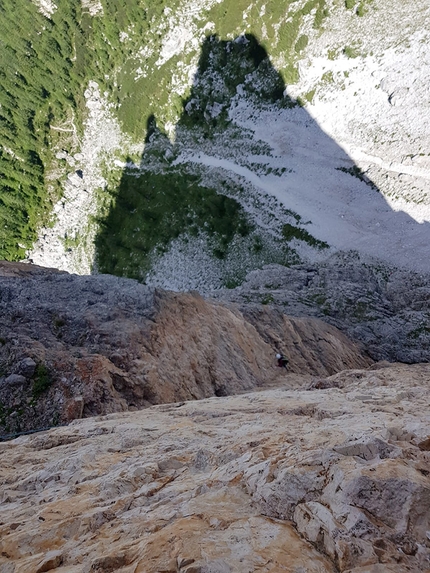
(75, 346)
(302, 168)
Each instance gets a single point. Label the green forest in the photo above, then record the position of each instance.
(45, 65)
(47, 62)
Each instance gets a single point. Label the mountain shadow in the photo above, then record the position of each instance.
(158, 201)
(209, 207)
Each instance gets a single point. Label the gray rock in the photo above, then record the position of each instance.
(368, 449)
(107, 344)
(15, 380)
(384, 308)
(27, 367)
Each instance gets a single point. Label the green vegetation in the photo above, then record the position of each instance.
(281, 24)
(45, 66)
(362, 7)
(291, 232)
(327, 77)
(306, 98)
(320, 15)
(351, 52)
(321, 300)
(361, 310)
(4, 414)
(267, 299)
(423, 330)
(288, 34)
(290, 75)
(152, 209)
(361, 10)
(355, 171)
(42, 381)
(39, 89)
(71, 242)
(301, 43)
(309, 96)
(59, 322)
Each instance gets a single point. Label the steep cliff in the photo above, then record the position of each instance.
(76, 346)
(198, 454)
(383, 307)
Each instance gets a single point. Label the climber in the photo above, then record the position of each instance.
(282, 360)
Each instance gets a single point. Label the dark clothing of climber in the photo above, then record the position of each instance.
(282, 361)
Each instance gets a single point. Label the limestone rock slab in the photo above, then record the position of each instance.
(289, 479)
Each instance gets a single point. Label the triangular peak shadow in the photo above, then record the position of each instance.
(226, 69)
(249, 179)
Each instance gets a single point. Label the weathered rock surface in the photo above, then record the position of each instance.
(307, 480)
(74, 346)
(386, 309)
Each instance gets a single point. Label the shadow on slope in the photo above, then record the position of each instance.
(161, 200)
(208, 207)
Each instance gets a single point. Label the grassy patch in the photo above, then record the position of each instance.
(301, 43)
(320, 16)
(267, 299)
(291, 232)
(321, 300)
(309, 96)
(42, 381)
(361, 10)
(355, 171)
(327, 77)
(351, 52)
(232, 283)
(419, 331)
(152, 209)
(360, 310)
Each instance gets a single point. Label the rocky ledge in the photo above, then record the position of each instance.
(331, 478)
(73, 346)
(386, 309)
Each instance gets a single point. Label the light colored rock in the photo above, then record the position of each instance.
(276, 480)
(52, 560)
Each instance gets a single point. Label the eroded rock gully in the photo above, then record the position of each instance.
(317, 481)
(74, 347)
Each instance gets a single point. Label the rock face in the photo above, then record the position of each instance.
(384, 308)
(330, 477)
(75, 346)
